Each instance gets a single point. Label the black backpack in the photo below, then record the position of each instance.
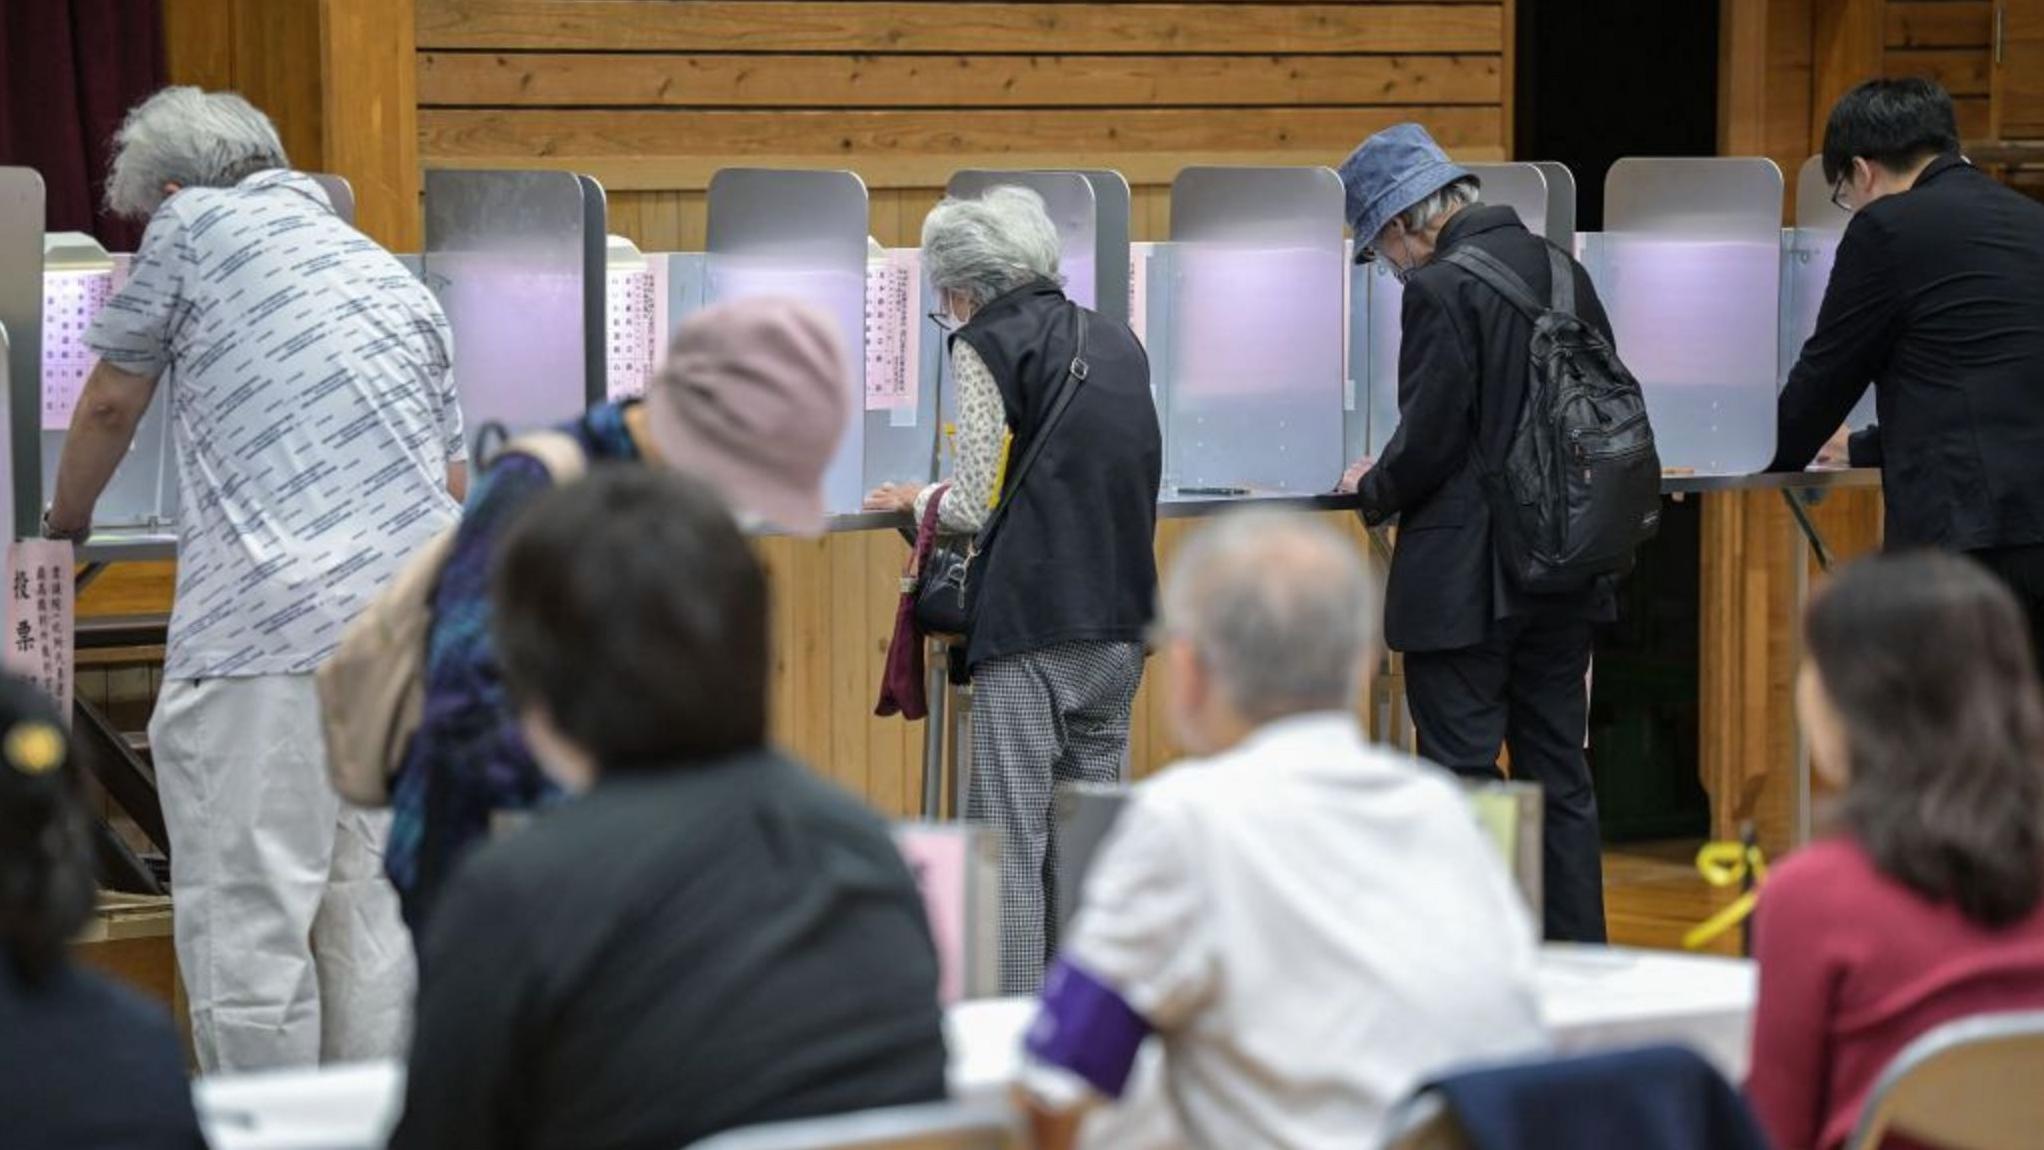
(1581, 485)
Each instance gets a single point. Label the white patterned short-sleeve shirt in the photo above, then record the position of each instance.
(313, 409)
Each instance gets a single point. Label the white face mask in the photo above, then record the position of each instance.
(1403, 272)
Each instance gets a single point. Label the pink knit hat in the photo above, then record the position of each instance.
(753, 399)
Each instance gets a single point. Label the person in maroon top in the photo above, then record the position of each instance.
(1919, 698)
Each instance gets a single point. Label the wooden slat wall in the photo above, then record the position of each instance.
(1950, 41)
(655, 95)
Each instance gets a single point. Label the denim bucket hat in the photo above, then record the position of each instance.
(1393, 170)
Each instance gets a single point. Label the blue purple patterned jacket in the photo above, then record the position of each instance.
(468, 760)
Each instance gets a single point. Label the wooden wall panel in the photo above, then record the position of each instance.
(1938, 23)
(2019, 73)
(604, 79)
(862, 26)
(657, 95)
(1950, 41)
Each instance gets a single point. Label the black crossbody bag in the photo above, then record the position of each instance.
(945, 593)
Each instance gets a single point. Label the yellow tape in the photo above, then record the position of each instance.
(1727, 864)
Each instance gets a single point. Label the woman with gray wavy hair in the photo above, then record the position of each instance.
(1066, 583)
(187, 138)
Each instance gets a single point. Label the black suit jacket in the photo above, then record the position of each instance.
(1937, 298)
(1463, 371)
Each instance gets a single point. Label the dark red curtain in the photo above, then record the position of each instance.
(69, 70)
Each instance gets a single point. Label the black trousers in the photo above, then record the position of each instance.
(2022, 570)
(1524, 688)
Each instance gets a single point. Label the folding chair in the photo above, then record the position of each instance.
(1968, 1085)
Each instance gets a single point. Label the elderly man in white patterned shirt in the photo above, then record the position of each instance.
(1310, 925)
(319, 444)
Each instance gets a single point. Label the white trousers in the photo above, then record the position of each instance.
(288, 935)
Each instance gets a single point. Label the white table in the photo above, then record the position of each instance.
(1591, 998)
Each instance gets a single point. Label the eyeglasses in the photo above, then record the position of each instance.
(944, 320)
(1838, 193)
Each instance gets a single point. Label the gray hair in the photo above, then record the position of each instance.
(990, 246)
(1281, 608)
(190, 138)
(1460, 194)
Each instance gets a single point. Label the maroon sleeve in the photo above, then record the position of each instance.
(1801, 964)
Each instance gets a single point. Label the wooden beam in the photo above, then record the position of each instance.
(458, 133)
(1938, 23)
(371, 114)
(277, 65)
(619, 80)
(1848, 52)
(890, 26)
(692, 173)
(681, 150)
(198, 43)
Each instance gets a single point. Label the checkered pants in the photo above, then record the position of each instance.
(1038, 719)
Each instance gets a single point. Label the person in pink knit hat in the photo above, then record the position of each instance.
(752, 399)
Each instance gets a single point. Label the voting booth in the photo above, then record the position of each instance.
(1689, 269)
(517, 261)
(1245, 325)
(71, 277)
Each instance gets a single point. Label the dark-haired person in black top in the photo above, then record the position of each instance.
(83, 1063)
(710, 937)
(1937, 299)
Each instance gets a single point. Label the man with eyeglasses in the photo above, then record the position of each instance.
(1937, 300)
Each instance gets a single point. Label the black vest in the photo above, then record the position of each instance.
(1074, 559)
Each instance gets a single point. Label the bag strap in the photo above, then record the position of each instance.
(925, 540)
(1493, 273)
(1562, 295)
(1068, 387)
(557, 451)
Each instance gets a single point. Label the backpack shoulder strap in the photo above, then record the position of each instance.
(1501, 279)
(560, 453)
(1562, 295)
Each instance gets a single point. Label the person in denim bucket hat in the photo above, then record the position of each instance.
(1487, 663)
(1389, 173)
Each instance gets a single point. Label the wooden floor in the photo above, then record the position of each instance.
(1653, 896)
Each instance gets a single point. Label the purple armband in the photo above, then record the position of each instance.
(1083, 1026)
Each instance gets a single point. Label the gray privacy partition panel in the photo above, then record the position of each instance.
(6, 475)
(1808, 252)
(509, 256)
(1111, 225)
(1689, 269)
(339, 193)
(1251, 372)
(1068, 197)
(802, 235)
(1561, 203)
(1376, 300)
(21, 313)
(596, 299)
